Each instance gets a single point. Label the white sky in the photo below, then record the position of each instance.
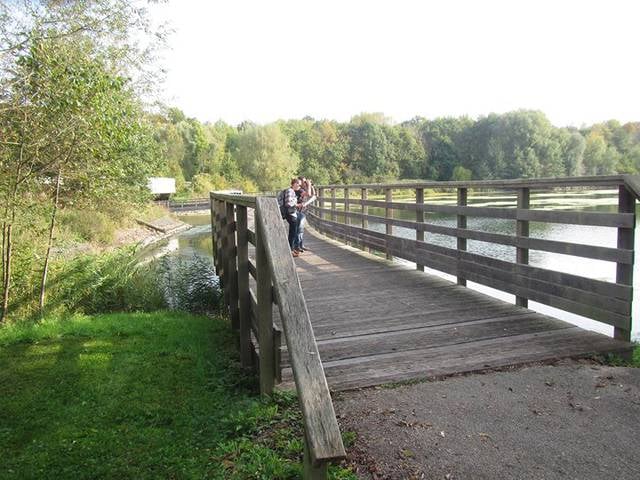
(577, 61)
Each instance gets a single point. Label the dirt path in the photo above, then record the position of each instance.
(568, 421)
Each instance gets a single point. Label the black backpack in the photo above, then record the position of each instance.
(284, 210)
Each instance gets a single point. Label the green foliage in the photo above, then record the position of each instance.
(265, 157)
(90, 226)
(139, 396)
(461, 174)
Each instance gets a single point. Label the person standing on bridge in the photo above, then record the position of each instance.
(290, 204)
(306, 196)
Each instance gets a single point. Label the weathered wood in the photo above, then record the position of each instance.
(552, 246)
(419, 219)
(620, 220)
(312, 471)
(244, 200)
(252, 270)
(334, 216)
(561, 182)
(325, 442)
(232, 266)
(522, 230)
(264, 311)
(244, 299)
(462, 224)
(626, 239)
(538, 284)
(321, 202)
(388, 213)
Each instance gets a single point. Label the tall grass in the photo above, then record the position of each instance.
(120, 281)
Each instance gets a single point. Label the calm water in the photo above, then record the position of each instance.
(198, 241)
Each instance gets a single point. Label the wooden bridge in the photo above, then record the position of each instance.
(346, 318)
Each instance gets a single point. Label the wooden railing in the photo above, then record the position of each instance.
(250, 290)
(608, 302)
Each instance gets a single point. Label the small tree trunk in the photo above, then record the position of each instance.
(7, 275)
(43, 283)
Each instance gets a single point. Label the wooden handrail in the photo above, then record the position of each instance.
(276, 279)
(632, 182)
(607, 302)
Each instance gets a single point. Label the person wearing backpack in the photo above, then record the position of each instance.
(306, 196)
(287, 200)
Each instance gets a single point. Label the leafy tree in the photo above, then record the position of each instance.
(264, 156)
(74, 131)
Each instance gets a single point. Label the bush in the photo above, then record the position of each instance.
(89, 225)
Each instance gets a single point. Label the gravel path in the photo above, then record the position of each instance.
(567, 421)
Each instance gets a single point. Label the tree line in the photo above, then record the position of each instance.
(518, 144)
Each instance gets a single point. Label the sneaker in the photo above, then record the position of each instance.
(295, 253)
(299, 250)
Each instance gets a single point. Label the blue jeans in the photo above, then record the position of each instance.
(299, 240)
(292, 220)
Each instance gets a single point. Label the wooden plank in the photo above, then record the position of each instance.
(252, 269)
(461, 242)
(244, 299)
(323, 434)
(418, 338)
(626, 240)
(561, 182)
(419, 220)
(244, 200)
(264, 313)
(618, 220)
(232, 265)
(468, 357)
(522, 230)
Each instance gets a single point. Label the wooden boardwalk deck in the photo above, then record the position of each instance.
(380, 322)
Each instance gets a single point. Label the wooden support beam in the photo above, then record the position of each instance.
(244, 297)
(420, 219)
(388, 214)
(232, 265)
(626, 239)
(265, 314)
(522, 230)
(346, 210)
(462, 223)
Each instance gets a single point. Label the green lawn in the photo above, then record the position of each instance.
(138, 396)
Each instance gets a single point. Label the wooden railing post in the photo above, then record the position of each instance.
(462, 223)
(522, 230)
(265, 315)
(388, 214)
(311, 471)
(365, 212)
(334, 215)
(626, 239)
(232, 265)
(321, 202)
(419, 219)
(214, 232)
(346, 213)
(244, 297)
(221, 245)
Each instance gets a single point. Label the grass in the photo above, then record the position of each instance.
(153, 395)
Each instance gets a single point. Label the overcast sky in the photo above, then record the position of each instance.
(235, 60)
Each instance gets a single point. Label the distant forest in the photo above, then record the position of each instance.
(524, 143)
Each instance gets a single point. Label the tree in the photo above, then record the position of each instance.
(263, 154)
(73, 127)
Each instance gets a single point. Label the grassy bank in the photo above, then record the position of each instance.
(154, 395)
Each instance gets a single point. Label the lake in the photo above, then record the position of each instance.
(197, 241)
